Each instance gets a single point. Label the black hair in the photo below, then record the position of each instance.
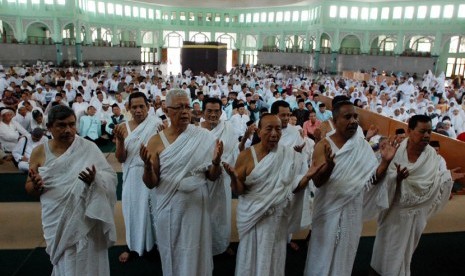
(415, 119)
(277, 104)
(337, 107)
(138, 95)
(339, 98)
(211, 100)
(400, 131)
(59, 112)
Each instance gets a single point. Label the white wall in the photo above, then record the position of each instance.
(351, 62)
(17, 54)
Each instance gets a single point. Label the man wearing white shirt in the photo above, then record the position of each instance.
(70, 92)
(239, 121)
(23, 149)
(39, 95)
(10, 130)
(24, 118)
(215, 91)
(237, 86)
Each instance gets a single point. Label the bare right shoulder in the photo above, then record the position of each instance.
(244, 164)
(155, 144)
(37, 158)
(319, 153)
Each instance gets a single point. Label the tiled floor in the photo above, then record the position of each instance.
(20, 223)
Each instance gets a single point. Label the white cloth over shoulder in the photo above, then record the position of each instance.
(421, 195)
(182, 219)
(341, 205)
(78, 219)
(220, 190)
(137, 199)
(269, 211)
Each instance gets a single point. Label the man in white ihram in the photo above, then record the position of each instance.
(269, 179)
(419, 187)
(346, 194)
(77, 190)
(220, 190)
(137, 200)
(178, 162)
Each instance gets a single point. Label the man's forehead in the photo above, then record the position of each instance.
(270, 121)
(212, 106)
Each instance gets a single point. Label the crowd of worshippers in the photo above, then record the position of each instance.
(98, 96)
(186, 143)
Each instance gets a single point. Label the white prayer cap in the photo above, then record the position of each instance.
(447, 122)
(10, 89)
(410, 79)
(105, 102)
(7, 110)
(163, 98)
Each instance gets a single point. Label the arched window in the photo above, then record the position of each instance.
(421, 44)
(228, 39)
(147, 38)
(250, 42)
(199, 38)
(173, 40)
(386, 43)
(289, 42)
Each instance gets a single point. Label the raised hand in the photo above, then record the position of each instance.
(229, 170)
(88, 175)
(456, 175)
(120, 131)
(388, 149)
(372, 131)
(402, 173)
(145, 156)
(218, 152)
(37, 182)
(299, 148)
(249, 131)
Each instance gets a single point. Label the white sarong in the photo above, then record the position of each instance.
(137, 199)
(220, 190)
(268, 211)
(340, 206)
(422, 194)
(77, 219)
(182, 220)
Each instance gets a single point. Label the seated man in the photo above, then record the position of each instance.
(23, 149)
(10, 130)
(90, 126)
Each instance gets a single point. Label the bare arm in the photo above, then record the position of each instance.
(214, 170)
(249, 131)
(238, 174)
(307, 177)
(34, 183)
(322, 156)
(120, 133)
(150, 156)
(388, 150)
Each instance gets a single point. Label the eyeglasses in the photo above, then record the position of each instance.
(180, 107)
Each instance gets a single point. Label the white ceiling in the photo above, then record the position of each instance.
(235, 4)
(225, 3)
